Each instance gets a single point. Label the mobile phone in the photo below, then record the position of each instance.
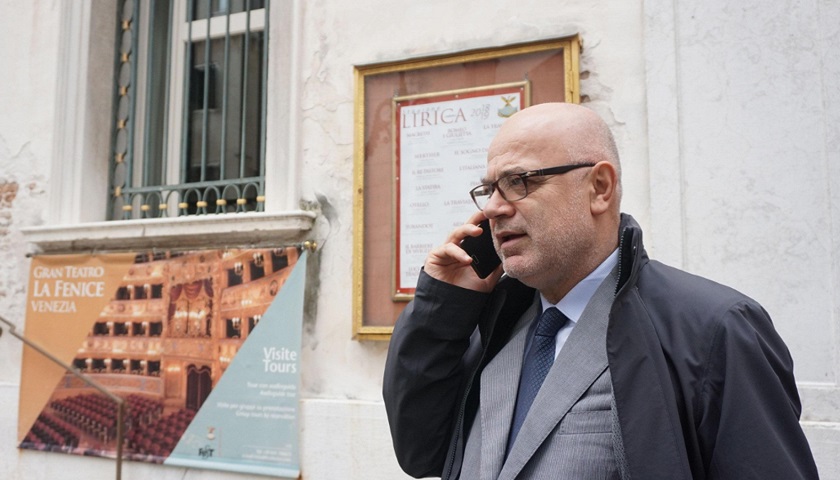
(481, 249)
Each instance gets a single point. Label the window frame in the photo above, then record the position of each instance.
(75, 218)
(174, 187)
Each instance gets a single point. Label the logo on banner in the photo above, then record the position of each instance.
(508, 109)
(205, 452)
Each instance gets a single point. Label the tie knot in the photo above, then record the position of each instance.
(550, 322)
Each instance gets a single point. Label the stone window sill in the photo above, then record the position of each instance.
(205, 231)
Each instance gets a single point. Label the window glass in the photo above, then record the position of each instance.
(219, 8)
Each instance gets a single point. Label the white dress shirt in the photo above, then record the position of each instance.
(573, 304)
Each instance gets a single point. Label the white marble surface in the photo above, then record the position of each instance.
(757, 166)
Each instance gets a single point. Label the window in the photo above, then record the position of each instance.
(83, 166)
(190, 108)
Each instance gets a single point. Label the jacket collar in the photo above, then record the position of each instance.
(631, 251)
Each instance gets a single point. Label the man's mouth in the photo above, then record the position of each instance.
(508, 237)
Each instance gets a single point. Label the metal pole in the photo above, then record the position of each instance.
(205, 115)
(119, 401)
(244, 96)
(186, 118)
(264, 108)
(223, 148)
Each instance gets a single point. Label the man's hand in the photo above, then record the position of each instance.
(451, 264)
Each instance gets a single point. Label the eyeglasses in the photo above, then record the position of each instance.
(514, 187)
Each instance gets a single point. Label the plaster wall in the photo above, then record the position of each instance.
(726, 117)
(743, 111)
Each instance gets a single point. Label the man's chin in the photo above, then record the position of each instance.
(515, 267)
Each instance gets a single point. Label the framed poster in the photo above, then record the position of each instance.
(392, 236)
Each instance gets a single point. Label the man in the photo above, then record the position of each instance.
(656, 373)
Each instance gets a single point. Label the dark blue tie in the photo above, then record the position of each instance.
(536, 365)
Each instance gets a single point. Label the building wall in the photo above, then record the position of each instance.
(726, 116)
(743, 109)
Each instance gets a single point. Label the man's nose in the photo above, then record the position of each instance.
(497, 206)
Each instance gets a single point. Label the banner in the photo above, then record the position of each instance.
(203, 346)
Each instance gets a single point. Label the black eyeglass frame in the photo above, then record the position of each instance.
(524, 176)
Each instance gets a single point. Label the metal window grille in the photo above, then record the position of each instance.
(200, 150)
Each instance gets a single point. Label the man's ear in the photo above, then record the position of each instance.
(604, 187)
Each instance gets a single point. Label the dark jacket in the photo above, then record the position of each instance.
(703, 384)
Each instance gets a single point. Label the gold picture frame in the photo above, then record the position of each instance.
(551, 70)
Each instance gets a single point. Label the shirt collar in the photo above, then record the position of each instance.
(573, 304)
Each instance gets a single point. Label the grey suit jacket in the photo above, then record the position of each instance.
(571, 430)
